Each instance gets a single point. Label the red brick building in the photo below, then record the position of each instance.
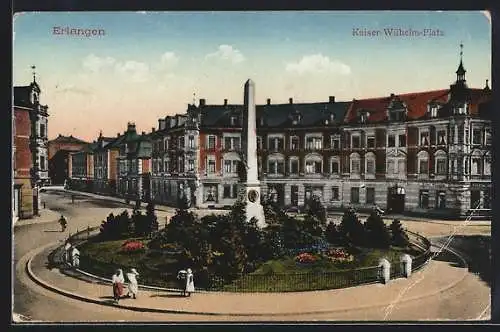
(22, 204)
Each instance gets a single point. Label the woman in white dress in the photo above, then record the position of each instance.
(133, 286)
(118, 281)
(189, 282)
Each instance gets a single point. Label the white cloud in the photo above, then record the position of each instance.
(228, 53)
(169, 59)
(95, 63)
(133, 70)
(318, 64)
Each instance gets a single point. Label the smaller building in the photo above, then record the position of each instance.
(59, 150)
(81, 168)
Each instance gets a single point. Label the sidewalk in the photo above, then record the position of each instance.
(426, 283)
(45, 216)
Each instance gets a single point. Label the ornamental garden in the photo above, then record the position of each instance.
(293, 253)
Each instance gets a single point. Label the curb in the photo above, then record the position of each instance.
(66, 293)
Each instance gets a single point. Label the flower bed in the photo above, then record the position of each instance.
(132, 246)
(338, 255)
(305, 258)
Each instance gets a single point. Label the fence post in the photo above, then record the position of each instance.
(406, 261)
(386, 270)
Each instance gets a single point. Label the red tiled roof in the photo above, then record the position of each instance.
(415, 102)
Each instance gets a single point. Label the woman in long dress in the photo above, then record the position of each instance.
(133, 287)
(118, 281)
(189, 282)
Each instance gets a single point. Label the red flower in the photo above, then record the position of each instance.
(130, 246)
(305, 258)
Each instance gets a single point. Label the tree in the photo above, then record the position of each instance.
(332, 234)
(398, 235)
(317, 210)
(377, 234)
(351, 228)
(152, 220)
(115, 227)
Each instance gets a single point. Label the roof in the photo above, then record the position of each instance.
(67, 139)
(276, 115)
(416, 104)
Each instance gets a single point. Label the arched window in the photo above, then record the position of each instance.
(476, 163)
(314, 164)
(335, 165)
(440, 162)
(230, 162)
(370, 159)
(355, 163)
(487, 164)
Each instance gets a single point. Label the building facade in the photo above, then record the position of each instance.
(81, 168)
(58, 153)
(424, 153)
(22, 163)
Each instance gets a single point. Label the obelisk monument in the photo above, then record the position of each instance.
(251, 187)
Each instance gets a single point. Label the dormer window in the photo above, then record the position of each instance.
(234, 120)
(363, 116)
(296, 119)
(433, 111)
(332, 117)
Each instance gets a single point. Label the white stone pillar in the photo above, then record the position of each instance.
(406, 260)
(386, 270)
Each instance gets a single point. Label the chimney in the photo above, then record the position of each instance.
(130, 126)
(202, 102)
(331, 99)
(143, 133)
(117, 134)
(225, 102)
(290, 100)
(269, 101)
(153, 129)
(392, 95)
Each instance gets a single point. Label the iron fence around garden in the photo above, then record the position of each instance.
(271, 282)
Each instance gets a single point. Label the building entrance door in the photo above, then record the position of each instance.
(396, 199)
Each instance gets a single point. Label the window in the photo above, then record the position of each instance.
(191, 142)
(370, 195)
(335, 168)
(232, 143)
(355, 166)
(391, 141)
(276, 167)
(275, 143)
(211, 166)
(234, 192)
(294, 166)
(402, 140)
(294, 143)
(167, 144)
(452, 134)
(370, 166)
(313, 166)
(424, 138)
(190, 165)
(167, 166)
(259, 143)
(335, 193)
(476, 136)
(42, 130)
(181, 165)
(234, 120)
(423, 199)
(314, 143)
(475, 199)
(441, 200)
(391, 169)
(433, 111)
(42, 163)
(441, 137)
(356, 142)
(476, 166)
(401, 166)
(227, 191)
(487, 137)
(370, 142)
(423, 166)
(181, 142)
(230, 166)
(335, 142)
(211, 142)
(441, 166)
(355, 195)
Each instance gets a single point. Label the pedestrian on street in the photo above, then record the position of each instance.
(63, 222)
(189, 282)
(118, 281)
(75, 257)
(133, 286)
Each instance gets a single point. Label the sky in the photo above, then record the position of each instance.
(147, 65)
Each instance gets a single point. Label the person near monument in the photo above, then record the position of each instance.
(118, 281)
(63, 222)
(133, 286)
(189, 282)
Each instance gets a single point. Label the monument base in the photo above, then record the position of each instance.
(250, 194)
